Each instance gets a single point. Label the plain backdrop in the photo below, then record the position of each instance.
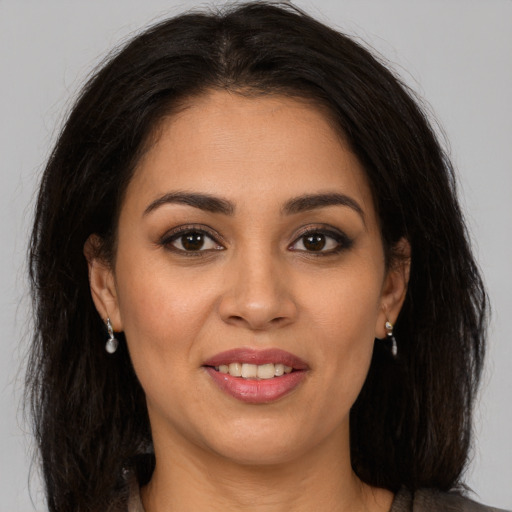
(457, 54)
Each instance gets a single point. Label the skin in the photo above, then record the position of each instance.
(256, 284)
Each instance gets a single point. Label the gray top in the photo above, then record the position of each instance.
(431, 500)
(424, 500)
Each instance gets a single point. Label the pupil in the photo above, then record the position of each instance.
(193, 241)
(314, 242)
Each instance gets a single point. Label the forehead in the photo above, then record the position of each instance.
(249, 148)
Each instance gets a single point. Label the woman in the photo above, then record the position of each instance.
(254, 219)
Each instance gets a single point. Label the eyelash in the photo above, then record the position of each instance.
(182, 231)
(342, 240)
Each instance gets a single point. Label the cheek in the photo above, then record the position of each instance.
(346, 305)
(161, 310)
(162, 323)
(343, 319)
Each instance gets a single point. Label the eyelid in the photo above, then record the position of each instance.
(343, 240)
(174, 233)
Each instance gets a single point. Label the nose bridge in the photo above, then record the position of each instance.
(257, 294)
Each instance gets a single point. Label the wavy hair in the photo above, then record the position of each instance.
(411, 424)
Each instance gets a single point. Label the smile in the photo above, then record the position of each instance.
(256, 376)
(253, 371)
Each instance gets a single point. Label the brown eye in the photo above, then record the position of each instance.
(191, 241)
(314, 242)
(321, 242)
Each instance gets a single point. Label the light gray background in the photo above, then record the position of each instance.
(455, 53)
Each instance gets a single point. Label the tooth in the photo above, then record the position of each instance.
(278, 369)
(223, 368)
(235, 369)
(249, 371)
(266, 371)
(287, 369)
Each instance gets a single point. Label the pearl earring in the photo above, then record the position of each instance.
(112, 343)
(389, 332)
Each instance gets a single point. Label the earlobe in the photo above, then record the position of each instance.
(102, 283)
(395, 287)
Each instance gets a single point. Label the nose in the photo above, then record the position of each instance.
(258, 295)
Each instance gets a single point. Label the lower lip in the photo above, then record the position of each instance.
(254, 391)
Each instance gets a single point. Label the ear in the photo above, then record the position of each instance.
(102, 283)
(395, 287)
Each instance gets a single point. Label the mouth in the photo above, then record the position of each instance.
(253, 371)
(256, 376)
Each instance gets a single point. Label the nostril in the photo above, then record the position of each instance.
(264, 313)
(255, 323)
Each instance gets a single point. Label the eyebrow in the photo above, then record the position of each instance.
(204, 202)
(310, 202)
(293, 206)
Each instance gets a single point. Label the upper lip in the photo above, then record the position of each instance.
(257, 357)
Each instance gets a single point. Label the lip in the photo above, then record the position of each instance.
(256, 391)
(251, 356)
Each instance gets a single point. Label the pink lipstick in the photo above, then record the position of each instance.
(253, 389)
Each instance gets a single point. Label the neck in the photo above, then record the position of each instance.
(188, 478)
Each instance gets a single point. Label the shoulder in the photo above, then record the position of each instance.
(431, 500)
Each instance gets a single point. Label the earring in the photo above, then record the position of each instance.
(389, 332)
(112, 343)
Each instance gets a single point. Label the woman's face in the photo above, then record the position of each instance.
(248, 237)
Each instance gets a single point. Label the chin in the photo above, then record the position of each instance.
(259, 454)
(259, 444)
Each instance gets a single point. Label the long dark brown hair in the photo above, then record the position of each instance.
(411, 425)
